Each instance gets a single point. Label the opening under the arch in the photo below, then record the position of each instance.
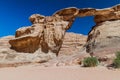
(82, 25)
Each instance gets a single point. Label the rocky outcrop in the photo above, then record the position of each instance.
(72, 43)
(46, 33)
(101, 15)
(4, 42)
(10, 58)
(103, 39)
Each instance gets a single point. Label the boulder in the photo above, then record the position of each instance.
(104, 38)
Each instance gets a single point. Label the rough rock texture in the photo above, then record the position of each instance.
(104, 41)
(104, 38)
(44, 38)
(4, 41)
(72, 43)
(46, 33)
(101, 15)
(10, 58)
(67, 60)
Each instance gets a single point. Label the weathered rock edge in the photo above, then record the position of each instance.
(47, 32)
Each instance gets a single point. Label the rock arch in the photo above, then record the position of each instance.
(47, 32)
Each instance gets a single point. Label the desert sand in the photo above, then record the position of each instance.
(58, 73)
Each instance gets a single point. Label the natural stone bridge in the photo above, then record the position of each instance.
(47, 32)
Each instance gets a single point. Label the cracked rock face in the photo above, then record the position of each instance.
(72, 44)
(47, 32)
(104, 38)
(46, 37)
(71, 47)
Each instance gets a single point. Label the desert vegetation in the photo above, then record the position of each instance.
(116, 62)
(90, 62)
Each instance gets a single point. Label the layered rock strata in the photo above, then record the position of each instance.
(103, 39)
(74, 42)
(46, 33)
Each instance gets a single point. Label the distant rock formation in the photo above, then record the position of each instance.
(72, 43)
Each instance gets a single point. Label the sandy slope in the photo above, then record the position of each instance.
(58, 73)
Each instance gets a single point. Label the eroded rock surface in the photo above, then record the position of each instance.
(72, 43)
(104, 38)
(46, 34)
(10, 58)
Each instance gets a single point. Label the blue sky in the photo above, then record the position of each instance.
(15, 13)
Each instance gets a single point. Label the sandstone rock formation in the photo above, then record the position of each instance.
(44, 38)
(101, 15)
(72, 43)
(10, 58)
(46, 33)
(103, 39)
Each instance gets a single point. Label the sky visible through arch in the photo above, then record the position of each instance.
(15, 13)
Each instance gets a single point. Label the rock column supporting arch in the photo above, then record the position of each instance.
(47, 32)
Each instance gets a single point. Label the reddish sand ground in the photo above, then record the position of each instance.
(58, 73)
